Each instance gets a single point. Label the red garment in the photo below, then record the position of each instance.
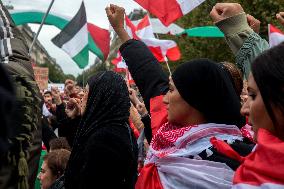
(158, 112)
(247, 132)
(166, 163)
(136, 132)
(265, 165)
(225, 149)
(263, 168)
(150, 178)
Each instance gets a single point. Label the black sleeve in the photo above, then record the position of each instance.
(67, 127)
(147, 127)
(47, 133)
(60, 113)
(145, 70)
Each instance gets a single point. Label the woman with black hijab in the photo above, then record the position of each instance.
(189, 110)
(104, 154)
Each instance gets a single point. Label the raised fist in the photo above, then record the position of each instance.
(222, 11)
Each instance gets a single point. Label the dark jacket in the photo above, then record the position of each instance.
(67, 127)
(25, 139)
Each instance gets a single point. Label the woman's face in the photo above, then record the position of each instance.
(257, 113)
(46, 177)
(84, 100)
(179, 111)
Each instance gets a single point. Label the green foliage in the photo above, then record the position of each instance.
(264, 10)
(216, 48)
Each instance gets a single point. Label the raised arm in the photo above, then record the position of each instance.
(143, 66)
(246, 45)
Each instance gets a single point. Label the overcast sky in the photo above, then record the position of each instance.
(95, 14)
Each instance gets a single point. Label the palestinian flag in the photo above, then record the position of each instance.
(99, 38)
(73, 38)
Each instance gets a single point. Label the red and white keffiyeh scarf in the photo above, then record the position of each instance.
(176, 141)
(168, 166)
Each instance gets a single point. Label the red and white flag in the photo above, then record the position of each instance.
(169, 11)
(167, 164)
(119, 63)
(161, 49)
(120, 66)
(276, 36)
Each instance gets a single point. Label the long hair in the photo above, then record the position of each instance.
(268, 73)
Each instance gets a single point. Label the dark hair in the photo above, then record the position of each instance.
(59, 143)
(47, 92)
(57, 161)
(268, 73)
(235, 75)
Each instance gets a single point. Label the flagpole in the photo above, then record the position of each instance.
(167, 63)
(39, 29)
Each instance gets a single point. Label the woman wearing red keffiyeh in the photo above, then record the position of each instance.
(196, 103)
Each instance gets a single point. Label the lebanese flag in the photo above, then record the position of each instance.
(119, 63)
(276, 36)
(161, 49)
(169, 11)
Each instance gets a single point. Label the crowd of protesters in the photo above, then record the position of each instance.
(206, 125)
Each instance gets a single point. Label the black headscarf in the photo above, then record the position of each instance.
(108, 105)
(204, 85)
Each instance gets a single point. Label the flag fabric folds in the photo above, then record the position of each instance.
(120, 66)
(169, 11)
(263, 168)
(73, 38)
(118, 62)
(161, 49)
(276, 36)
(101, 40)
